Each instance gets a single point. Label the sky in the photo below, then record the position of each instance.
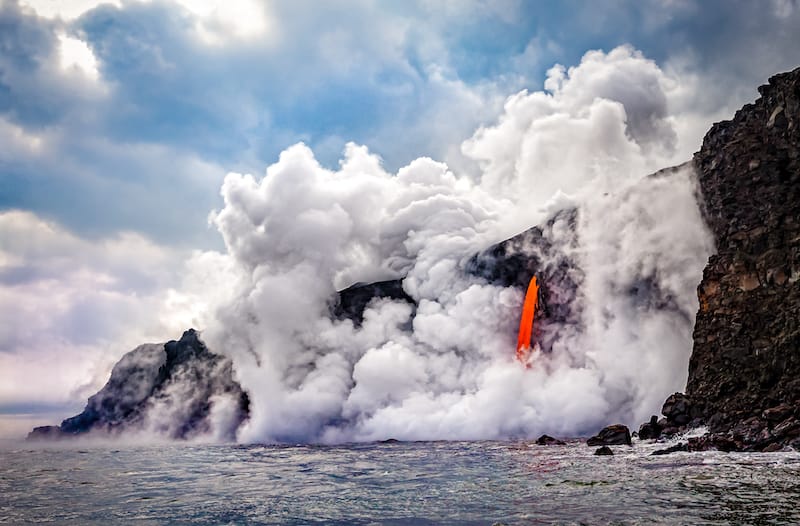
(119, 122)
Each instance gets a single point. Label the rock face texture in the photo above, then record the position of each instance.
(745, 365)
(170, 390)
(650, 430)
(616, 435)
(744, 372)
(547, 440)
(351, 302)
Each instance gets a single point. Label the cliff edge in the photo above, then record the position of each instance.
(744, 372)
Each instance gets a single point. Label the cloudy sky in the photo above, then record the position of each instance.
(120, 120)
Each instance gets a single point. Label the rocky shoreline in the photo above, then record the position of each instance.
(172, 389)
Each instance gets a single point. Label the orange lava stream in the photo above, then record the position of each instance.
(526, 321)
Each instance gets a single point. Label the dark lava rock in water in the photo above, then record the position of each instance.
(680, 446)
(169, 390)
(615, 435)
(677, 409)
(547, 440)
(604, 450)
(650, 430)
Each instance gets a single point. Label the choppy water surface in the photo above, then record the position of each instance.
(395, 484)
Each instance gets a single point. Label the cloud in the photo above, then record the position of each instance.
(70, 307)
(188, 80)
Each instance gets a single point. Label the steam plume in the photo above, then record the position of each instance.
(443, 370)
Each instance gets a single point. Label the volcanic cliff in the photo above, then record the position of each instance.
(744, 373)
(179, 389)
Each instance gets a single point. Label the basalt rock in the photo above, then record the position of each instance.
(603, 450)
(615, 435)
(677, 410)
(168, 390)
(680, 446)
(744, 372)
(351, 302)
(547, 440)
(745, 365)
(650, 430)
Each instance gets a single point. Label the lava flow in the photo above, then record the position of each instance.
(526, 321)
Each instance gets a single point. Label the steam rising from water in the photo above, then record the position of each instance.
(448, 372)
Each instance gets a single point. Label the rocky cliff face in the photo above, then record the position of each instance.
(744, 372)
(745, 365)
(175, 390)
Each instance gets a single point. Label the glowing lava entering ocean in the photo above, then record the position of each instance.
(526, 321)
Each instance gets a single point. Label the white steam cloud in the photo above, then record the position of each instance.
(447, 369)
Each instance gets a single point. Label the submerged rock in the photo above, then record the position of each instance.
(680, 446)
(175, 390)
(614, 435)
(604, 450)
(547, 440)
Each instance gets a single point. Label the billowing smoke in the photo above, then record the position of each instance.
(446, 368)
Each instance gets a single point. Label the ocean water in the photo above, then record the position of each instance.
(456, 483)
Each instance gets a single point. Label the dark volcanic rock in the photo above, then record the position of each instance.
(46, 433)
(351, 302)
(547, 440)
(745, 362)
(604, 450)
(540, 251)
(677, 409)
(680, 446)
(615, 435)
(168, 390)
(650, 430)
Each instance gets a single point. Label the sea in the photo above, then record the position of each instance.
(406, 483)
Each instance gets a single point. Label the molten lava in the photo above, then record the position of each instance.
(526, 321)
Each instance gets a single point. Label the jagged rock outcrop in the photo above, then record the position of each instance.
(175, 390)
(547, 440)
(351, 302)
(744, 372)
(745, 363)
(650, 430)
(614, 435)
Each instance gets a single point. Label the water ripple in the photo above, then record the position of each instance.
(458, 483)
